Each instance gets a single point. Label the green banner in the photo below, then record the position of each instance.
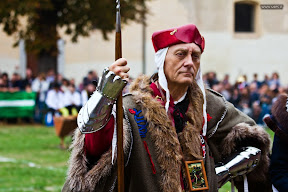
(17, 104)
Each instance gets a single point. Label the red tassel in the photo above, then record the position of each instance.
(152, 164)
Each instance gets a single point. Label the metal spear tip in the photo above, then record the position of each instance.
(118, 17)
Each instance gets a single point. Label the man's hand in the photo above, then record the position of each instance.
(95, 114)
(120, 68)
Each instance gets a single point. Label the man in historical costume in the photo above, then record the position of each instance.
(278, 122)
(168, 119)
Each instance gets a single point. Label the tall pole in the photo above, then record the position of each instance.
(143, 38)
(119, 104)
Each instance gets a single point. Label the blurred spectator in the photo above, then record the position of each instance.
(72, 81)
(87, 92)
(235, 97)
(226, 80)
(204, 77)
(28, 88)
(244, 101)
(274, 82)
(256, 81)
(265, 100)
(264, 94)
(266, 79)
(242, 82)
(282, 90)
(212, 79)
(55, 99)
(72, 100)
(60, 78)
(226, 91)
(65, 85)
(51, 77)
(40, 86)
(27, 81)
(257, 113)
(15, 83)
(2, 86)
(227, 87)
(220, 89)
(254, 95)
(91, 76)
(5, 81)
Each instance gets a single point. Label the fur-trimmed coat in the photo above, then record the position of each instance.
(278, 122)
(154, 152)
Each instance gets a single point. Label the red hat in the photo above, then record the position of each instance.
(184, 34)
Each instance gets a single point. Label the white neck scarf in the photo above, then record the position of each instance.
(159, 61)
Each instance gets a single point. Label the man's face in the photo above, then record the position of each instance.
(182, 63)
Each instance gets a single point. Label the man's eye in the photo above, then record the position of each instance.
(180, 54)
(195, 56)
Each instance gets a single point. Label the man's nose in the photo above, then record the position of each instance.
(189, 61)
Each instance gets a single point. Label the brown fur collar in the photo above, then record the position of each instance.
(78, 177)
(255, 136)
(163, 134)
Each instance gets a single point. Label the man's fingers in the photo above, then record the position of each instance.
(118, 62)
(124, 75)
(121, 62)
(119, 67)
(125, 69)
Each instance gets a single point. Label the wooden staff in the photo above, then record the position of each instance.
(119, 104)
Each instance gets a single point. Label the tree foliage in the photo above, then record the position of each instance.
(38, 21)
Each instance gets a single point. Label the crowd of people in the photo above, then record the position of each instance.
(56, 94)
(254, 97)
(61, 96)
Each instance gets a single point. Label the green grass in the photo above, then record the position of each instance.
(271, 133)
(35, 162)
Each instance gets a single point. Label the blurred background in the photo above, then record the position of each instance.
(56, 48)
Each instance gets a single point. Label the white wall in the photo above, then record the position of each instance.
(223, 53)
(265, 55)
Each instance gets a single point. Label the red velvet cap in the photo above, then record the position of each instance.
(184, 34)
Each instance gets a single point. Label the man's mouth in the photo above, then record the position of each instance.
(187, 73)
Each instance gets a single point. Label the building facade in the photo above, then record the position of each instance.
(242, 38)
